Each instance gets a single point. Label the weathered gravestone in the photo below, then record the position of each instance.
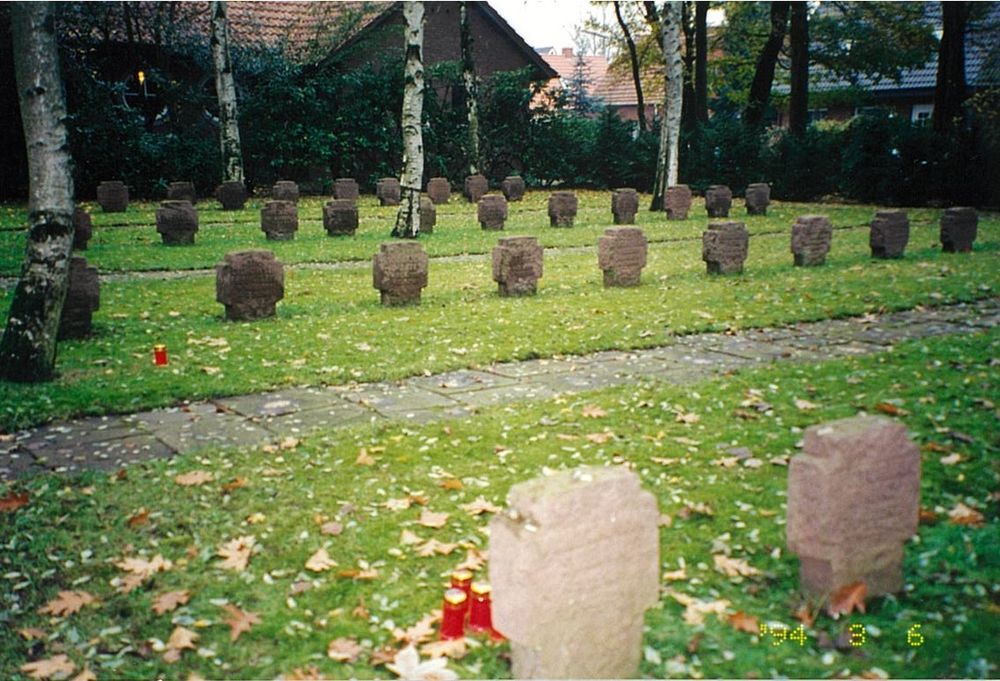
(285, 190)
(249, 284)
(83, 297)
(512, 188)
(492, 211)
(853, 500)
(345, 188)
(232, 195)
(83, 228)
(573, 566)
(517, 265)
(177, 222)
(280, 220)
(562, 209)
(757, 198)
(811, 236)
(387, 191)
(724, 247)
(889, 234)
(958, 229)
(182, 191)
(718, 201)
(677, 202)
(621, 254)
(624, 205)
(439, 190)
(428, 215)
(340, 217)
(113, 196)
(476, 187)
(399, 272)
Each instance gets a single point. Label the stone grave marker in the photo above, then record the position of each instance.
(249, 284)
(439, 190)
(232, 195)
(345, 188)
(958, 229)
(280, 220)
(724, 247)
(678, 202)
(177, 222)
(757, 198)
(285, 190)
(387, 191)
(83, 297)
(517, 265)
(811, 237)
(574, 564)
(621, 254)
(83, 228)
(718, 201)
(428, 215)
(492, 211)
(399, 272)
(340, 217)
(513, 187)
(624, 205)
(476, 187)
(113, 196)
(889, 234)
(182, 191)
(853, 500)
(562, 208)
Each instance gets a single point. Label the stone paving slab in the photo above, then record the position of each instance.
(277, 403)
(332, 415)
(506, 394)
(460, 381)
(530, 367)
(390, 399)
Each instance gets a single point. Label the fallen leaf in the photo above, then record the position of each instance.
(696, 609)
(952, 459)
(239, 621)
(344, 650)
(451, 483)
(733, 567)
(805, 405)
(140, 517)
(847, 599)
(890, 409)
(382, 656)
(86, 675)
(727, 461)
(675, 575)
(289, 442)
(407, 665)
(433, 547)
(687, 418)
(694, 643)
(936, 447)
(698, 508)
(194, 478)
(180, 640)
(67, 603)
(422, 631)
(58, 666)
(12, 502)
(31, 633)
(310, 673)
(398, 504)
(234, 484)
(320, 561)
(211, 371)
(600, 438)
(965, 515)
(592, 411)
(331, 528)
(364, 458)
(474, 559)
(139, 570)
(453, 648)
(406, 538)
(480, 506)
(927, 516)
(360, 610)
(170, 601)
(236, 553)
(431, 519)
(805, 615)
(740, 621)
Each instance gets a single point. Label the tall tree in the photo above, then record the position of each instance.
(28, 346)
(701, 60)
(408, 218)
(667, 23)
(633, 57)
(471, 87)
(225, 88)
(950, 90)
(688, 116)
(798, 98)
(763, 78)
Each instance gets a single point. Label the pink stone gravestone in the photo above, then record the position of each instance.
(492, 211)
(345, 188)
(562, 208)
(517, 265)
(889, 234)
(811, 236)
(678, 202)
(83, 297)
(428, 215)
(340, 217)
(249, 284)
(232, 195)
(621, 254)
(387, 191)
(476, 187)
(177, 222)
(513, 187)
(285, 190)
(438, 190)
(724, 247)
(399, 272)
(624, 205)
(718, 201)
(279, 220)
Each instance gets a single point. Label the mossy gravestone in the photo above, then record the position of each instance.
(757, 198)
(574, 564)
(249, 284)
(285, 190)
(345, 188)
(399, 272)
(428, 215)
(517, 265)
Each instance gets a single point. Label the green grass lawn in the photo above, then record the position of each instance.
(73, 532)
(331, 329)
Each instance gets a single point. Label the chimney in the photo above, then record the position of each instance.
(567, 52)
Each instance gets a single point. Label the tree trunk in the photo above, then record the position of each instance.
(688, 115)
(408, 218)
(225, 89)
(949, 92)
(667, 161)
(763, 77)
(28, 346)
(633, 57)
(471, 88)
(701, 60)
(798, 98)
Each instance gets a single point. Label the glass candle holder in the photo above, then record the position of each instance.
(453, 610)
(160, 355)
(462, 579)
(480, 615)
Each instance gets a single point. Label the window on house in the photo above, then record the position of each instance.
(921, 113)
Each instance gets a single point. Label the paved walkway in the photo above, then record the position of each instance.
(109, 442)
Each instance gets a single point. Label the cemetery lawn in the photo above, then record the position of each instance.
(331, 329)
(374, 483)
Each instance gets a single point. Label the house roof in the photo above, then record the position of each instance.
(618, 89)
(564, 64)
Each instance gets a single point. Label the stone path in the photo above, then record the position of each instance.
(109, 442)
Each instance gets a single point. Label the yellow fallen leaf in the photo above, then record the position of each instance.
(194, 478)
(431, 519)
(320, 561)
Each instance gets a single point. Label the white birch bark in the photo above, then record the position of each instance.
(670, 127)
(408, 218)
(225, 89)
(28, 346)
(471, 88)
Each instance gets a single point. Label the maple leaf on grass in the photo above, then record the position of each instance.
(805, 405)
(891, 409)
(140, 517)
(733, 567)
(364, 458)
(194, 478)
(480, 506)
(310, 673)
(31, 633)
(67, 603)
(13, 501)
(331, 528)
(180, 640)
(474, 559)
(431, 519)
(344, 650)
(234, 484)
(85, 675)
(57, 667)
(320, 561)
(451, 484)
(740, 621)
(847, 599)
(139, 570)
(422, 631)
(236, 553)
(170, 601)
(965, 515)
(592, 411)
(454, 648)
(382, 656)
(407, 665)
(600, 438)
(433, 546)
(696, 609)
(407, 537)
(239, 621)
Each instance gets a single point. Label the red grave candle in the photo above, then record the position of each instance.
(453, 614)
(160, 355)
(480, 617)
(462, 579)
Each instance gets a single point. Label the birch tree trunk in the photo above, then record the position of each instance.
(670, 129)
(225, 89)
(471, 88)
(408, 218)
(28, 346)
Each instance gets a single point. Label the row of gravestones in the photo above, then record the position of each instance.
(400, 268)
(575, 560)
